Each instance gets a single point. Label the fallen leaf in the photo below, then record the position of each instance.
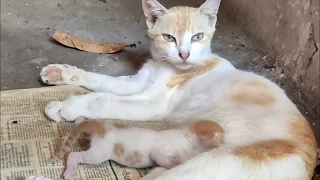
(85, 45)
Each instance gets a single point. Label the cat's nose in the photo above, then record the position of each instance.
(184, 55)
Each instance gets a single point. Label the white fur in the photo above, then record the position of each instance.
(146, 97)
(222, 165)
(152, 146)
(199, 99)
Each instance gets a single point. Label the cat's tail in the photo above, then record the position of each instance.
(90, 127)
(279, 159)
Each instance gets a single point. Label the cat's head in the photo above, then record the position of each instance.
(181, 35)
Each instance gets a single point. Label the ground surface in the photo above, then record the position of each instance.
(27, 46)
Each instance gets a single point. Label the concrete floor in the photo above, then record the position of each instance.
(27, 46)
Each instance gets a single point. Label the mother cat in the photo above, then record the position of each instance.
(266, 137)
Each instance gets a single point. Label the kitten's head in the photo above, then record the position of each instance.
(181, 35)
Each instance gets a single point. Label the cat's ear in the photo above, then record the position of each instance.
(152, 10)
(210, 9)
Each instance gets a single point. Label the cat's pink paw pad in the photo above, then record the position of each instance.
(60, 74)
(54, 74)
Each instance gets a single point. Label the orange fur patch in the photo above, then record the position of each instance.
(253, 91)
(118, 149)
(304, 136)
(185, 21)
(134, 158)
(267, 150)
(92, 127)
(183, 76)
(180, 19)
(303, 143)
(206, 129)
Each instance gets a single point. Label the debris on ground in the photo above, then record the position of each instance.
(85, 45)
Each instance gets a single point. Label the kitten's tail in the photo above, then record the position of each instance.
(91, 127)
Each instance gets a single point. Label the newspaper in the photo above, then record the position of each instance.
(29, 138)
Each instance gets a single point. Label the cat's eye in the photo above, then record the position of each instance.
(197, 37)
(169, 38)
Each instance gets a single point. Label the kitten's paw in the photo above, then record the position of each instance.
(37, 178)
(61, 74)
(60, 111)
(70, 173)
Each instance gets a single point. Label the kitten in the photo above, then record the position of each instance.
(266, 137)
(111, 141)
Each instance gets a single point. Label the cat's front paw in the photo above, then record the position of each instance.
(62, 111)
(37, 178)
(53, 109)
(61, 74)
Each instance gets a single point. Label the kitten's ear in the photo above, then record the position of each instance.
(210, 8)
(152, 10)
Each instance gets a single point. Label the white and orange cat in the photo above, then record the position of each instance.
(266, 137)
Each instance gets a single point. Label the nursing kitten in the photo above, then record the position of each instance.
(266, 137)
(112, 141)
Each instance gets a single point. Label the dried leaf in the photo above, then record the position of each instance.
(84, 45)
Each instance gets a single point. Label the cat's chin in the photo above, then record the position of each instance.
(183, 66)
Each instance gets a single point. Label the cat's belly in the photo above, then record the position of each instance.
(238, 127)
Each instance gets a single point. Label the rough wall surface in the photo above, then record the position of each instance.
(290, 31)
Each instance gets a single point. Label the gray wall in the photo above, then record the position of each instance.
(290, 31)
